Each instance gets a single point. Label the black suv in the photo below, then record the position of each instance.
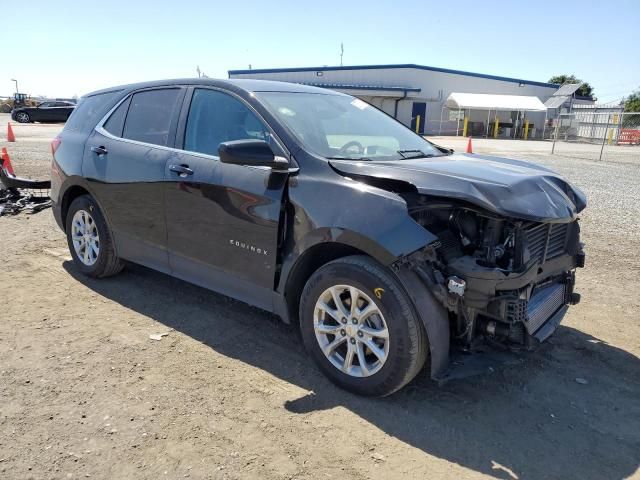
(316, 206)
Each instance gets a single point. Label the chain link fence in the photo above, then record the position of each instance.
(597, 135)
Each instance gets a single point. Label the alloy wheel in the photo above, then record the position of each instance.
(351, 331)
(85, 238)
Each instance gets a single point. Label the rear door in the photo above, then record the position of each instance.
(61, 111)
(125, 161)
(222, 220)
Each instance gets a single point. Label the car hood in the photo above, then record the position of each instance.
(511, 188)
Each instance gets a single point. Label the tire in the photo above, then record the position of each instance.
(23, 117)
(406, 345)
(97, 262)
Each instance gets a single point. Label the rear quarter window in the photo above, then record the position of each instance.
(115, 123)
(90, 110)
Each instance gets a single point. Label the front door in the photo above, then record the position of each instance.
(46, 112)
(125, 162)
(418, 117)
(222, 220)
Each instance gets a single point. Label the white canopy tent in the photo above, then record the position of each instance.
(486, 101)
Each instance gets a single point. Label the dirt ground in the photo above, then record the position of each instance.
(230, 393)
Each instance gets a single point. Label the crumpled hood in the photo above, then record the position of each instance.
(512, 188)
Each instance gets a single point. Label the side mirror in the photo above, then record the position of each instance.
(255, 153)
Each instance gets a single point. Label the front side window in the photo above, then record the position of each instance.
(216, 117)
(345, 128)
(150, 114)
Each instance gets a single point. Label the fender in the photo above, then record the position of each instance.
(371, 219)
(360, 219)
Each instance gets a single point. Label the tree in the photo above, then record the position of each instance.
(632, 102)
(585, 90)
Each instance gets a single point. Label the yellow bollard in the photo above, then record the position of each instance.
(610, 135)
(465, 127)
(418, 124)
(496, 126)
(526, 129)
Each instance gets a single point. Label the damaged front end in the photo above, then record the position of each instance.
(505, 283)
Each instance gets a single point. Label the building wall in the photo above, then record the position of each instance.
(435, 88)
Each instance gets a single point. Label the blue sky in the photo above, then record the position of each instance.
(67, 47)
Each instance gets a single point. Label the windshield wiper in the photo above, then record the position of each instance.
(406, 154)
(350, 158)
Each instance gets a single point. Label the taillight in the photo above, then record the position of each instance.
(55, 143)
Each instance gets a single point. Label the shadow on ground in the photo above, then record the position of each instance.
(532, 420)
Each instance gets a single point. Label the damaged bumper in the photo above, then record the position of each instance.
(22, 194)
(492, 315)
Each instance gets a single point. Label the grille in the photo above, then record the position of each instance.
(557, 240)
(547, 240)
(543, 303)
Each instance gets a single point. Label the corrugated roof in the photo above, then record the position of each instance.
(351, 86)
(393, 66)
(567, 89)
(555, 102)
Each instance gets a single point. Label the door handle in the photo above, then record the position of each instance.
(99, 150)
(183, 170)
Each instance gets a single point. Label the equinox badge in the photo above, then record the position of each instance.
(246, 246)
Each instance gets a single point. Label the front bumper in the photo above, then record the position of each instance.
(464, 363)
(509, 312)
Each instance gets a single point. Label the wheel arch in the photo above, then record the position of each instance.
(70, 194)
(74, 187)
(305, 265)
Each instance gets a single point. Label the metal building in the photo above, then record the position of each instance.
(417, 95)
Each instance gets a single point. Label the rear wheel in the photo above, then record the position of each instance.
(89, 239)
(360, 327)
(23, 117)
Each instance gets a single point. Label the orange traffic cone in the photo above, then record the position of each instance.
(469, 146)
(6, 162)
(10, 136)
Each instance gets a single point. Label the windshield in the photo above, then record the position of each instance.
(345, 128)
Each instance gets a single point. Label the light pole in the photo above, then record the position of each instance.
(14, 80)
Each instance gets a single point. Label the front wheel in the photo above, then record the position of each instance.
(89, 239)
(23, 117)
(360, 327)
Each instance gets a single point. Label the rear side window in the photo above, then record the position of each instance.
(115, 123)
(150, 114)
(216, 117)
(89, 110)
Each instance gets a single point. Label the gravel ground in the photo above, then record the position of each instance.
(230, 393)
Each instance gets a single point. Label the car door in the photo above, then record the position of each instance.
(223, 220)
(124, 161)
(43, 113)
